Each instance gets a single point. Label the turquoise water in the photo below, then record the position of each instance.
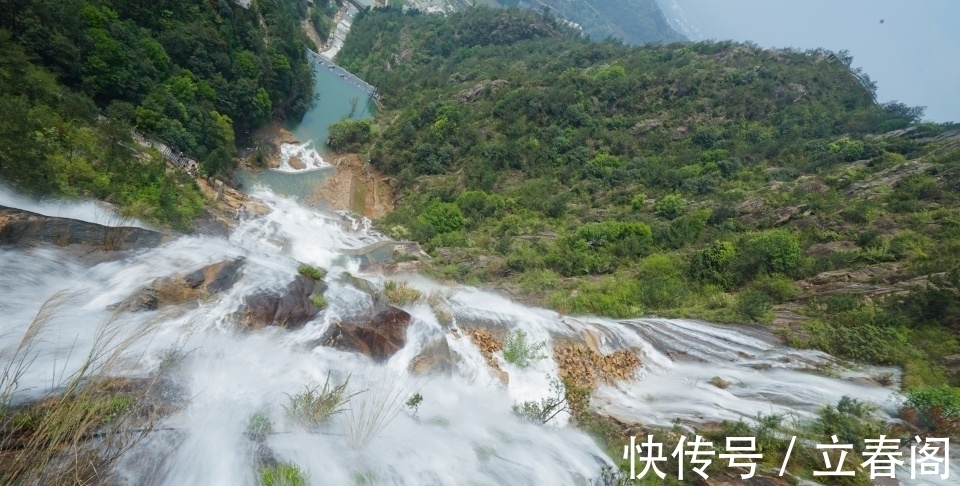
(300, 185)
(332, 106)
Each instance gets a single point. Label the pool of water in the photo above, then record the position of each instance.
(336, 102)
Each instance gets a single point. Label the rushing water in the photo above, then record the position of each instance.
(464, 433)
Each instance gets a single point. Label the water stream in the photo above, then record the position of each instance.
(464, 432)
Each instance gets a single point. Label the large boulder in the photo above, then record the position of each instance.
(183, 288)
(380, 338)
(291, 308)
(19, 227)
(434, 358)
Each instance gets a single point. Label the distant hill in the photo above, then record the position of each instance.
(632, 21)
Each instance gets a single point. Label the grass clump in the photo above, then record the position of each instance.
(312, 272)
(521, 353)
(319, 301)
(282, 474)
(401, 293)
(373, 410)
(259, 426)
(316, 405)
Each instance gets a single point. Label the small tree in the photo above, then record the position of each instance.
(443, 217)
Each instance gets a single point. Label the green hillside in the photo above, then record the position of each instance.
(714, 180)
(198, 76)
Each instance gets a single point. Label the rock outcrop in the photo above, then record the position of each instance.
(19, 227)
(291, 308)
(380, 338)
(182, 288)
(434, 358)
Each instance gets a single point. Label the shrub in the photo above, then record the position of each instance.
(544, 410)
(350, 135)
(521, 353)
(315, 405)
(771, 252)
(671, 206)
(936, 405)
(779, 289)
(848, 150)
(754, 305)
(851, 421)
(711, 265)
(282, 474)
(311, 271)
(443, 217)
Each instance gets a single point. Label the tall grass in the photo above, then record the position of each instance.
(316, 405)
(373, 409)
(88, 420)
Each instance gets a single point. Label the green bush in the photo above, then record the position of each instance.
(851, 420)
(518, 351)
(350, 135)
(779, 289)
(771, 252)
(944, 400)
(671, 206)
(848, 150)
(443, 217)
(312, 272)
(282, 474)
(754, 305)
(711, 265)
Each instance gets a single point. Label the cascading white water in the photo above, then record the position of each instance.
(308, 157)
(464, 431)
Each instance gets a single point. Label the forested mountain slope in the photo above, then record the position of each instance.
(711, 179)
(632, 21)
(196, 75)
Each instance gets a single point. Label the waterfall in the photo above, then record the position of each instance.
(464, 431)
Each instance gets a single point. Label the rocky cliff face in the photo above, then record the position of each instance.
(24, 228)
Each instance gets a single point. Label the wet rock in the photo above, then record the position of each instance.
(179, 289)
(18, 227)
(380, 338)
(435, 358)
(225, 276)
(145, 299)
(290, 308)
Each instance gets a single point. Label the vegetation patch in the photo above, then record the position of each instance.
(316, 405)
(401, 293)
(282, 474)
(312, 272)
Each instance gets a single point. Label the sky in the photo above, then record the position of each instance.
(913, 54)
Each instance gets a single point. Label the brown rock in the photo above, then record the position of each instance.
(381, 338)
(435, 358)
(291, 308)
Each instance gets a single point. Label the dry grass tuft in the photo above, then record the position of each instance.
(75, 435)
(401, 293)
